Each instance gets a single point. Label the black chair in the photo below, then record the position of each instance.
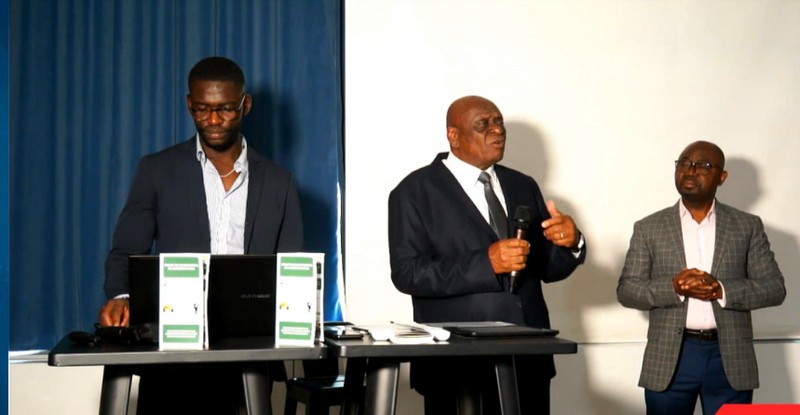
(321, 387)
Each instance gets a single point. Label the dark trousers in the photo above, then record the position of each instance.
(699, 373)
(479, 384)
(192, 389)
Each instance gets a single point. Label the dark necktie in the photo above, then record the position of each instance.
(497, 215)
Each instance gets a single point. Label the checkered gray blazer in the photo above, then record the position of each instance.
(743, 263)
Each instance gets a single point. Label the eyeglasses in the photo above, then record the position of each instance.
(700, 167)
(227, 112)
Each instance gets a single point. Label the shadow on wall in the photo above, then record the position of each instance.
(590, 287)
(743, 191)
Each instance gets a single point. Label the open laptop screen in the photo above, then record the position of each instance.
(241, 294)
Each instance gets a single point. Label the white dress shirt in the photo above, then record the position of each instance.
(467, 176)
(226, 209)
(699, 240)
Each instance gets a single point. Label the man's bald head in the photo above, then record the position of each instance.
(475, 131)
(463, 104)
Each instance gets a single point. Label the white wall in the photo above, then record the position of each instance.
(599, 98)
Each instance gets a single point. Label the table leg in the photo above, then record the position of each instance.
(469, 397)
(116, 390)
(257, 389)
(382, 379)
(355, 370)
(507, 385)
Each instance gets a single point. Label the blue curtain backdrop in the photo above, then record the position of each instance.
(4, 190)
(95, 85)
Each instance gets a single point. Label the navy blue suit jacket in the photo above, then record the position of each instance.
(438, 245)
(166, 211)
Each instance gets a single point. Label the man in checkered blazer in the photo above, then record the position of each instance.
(699, 267)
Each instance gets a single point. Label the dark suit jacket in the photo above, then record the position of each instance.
(166, 211)
(743, 263)
(438, 245)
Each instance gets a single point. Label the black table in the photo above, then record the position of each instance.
(380, 362)
(121, 362)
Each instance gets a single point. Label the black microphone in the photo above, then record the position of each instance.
(146, 333)
(522, 219)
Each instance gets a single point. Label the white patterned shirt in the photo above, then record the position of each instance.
(226, 209)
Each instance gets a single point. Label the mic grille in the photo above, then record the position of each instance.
(522, 217)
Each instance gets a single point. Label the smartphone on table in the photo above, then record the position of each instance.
(343, 332)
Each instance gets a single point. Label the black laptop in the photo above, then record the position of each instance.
(241, 294)
(496, 329)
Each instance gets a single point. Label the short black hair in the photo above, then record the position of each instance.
(216, 68)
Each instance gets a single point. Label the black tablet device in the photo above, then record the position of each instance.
(501, 331)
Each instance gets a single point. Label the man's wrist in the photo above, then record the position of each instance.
(581, 242)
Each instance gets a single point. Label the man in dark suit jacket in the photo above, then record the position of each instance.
(210, 194)
(699, 267)
(447, 256)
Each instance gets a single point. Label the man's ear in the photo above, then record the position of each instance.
(723, 177)
(188, 102)
(248, 104)
(452, 137)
